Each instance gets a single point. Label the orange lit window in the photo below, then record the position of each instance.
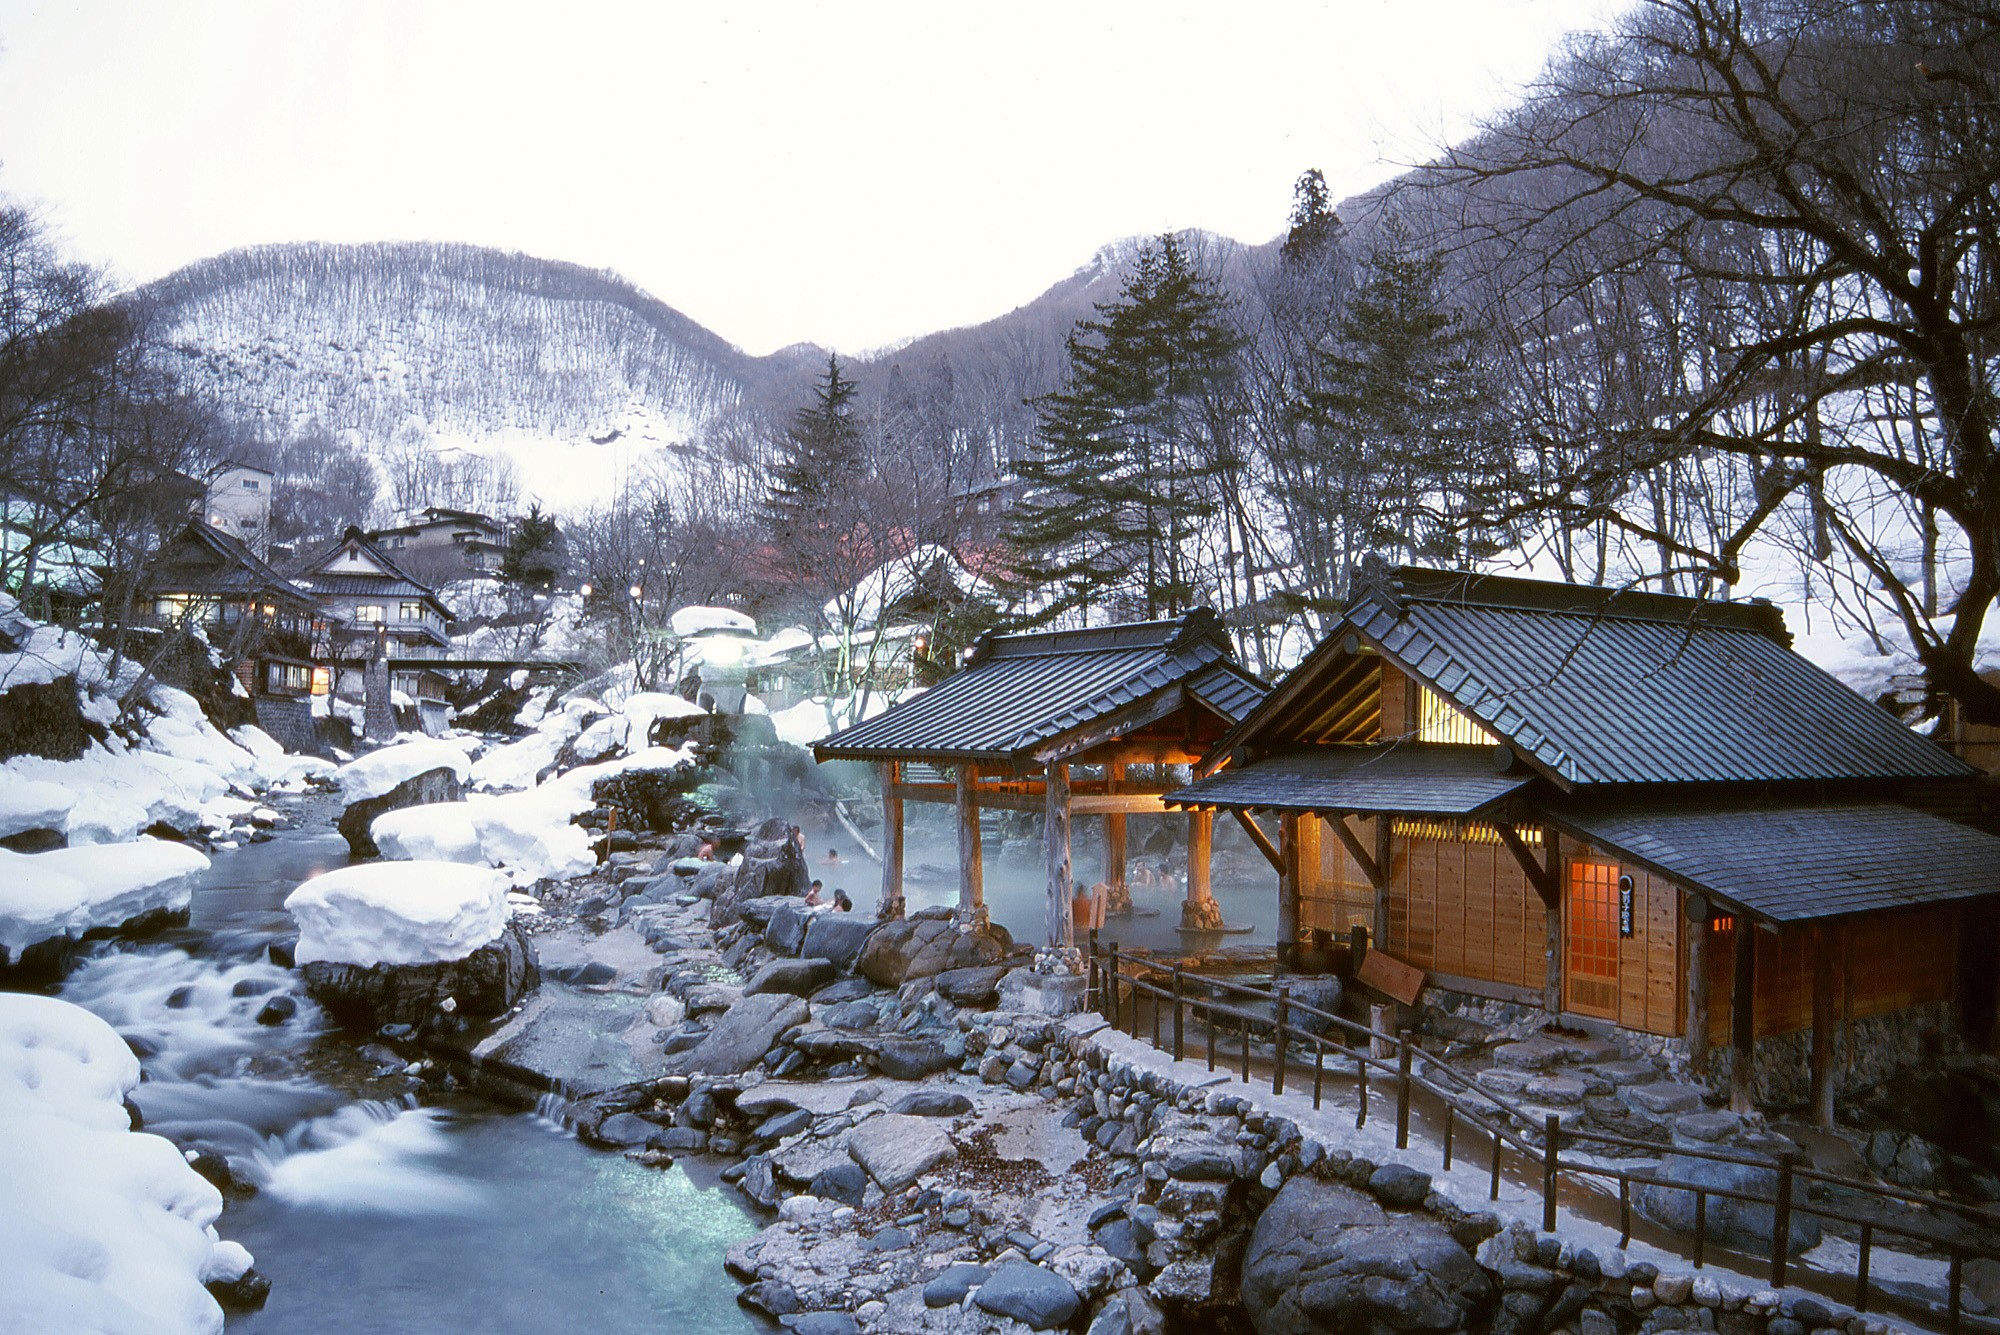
(1590, 929)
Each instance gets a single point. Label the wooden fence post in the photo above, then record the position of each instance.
(1781, 1221)
(1278, 1066)
(1403, 1092)
(1550, 1129)
(1179, 1050)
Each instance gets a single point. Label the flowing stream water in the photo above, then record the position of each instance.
(374, 1214)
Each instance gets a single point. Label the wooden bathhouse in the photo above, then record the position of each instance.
(1052, 723)
(1632, 808)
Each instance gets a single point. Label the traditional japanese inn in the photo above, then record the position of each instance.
(1029, 710)
(1629, 808)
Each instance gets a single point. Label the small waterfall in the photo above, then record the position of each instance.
(553, 1108)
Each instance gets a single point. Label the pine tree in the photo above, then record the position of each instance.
(1402, 424)
(818, 460)
(533, 558)
(1125, 483)
(1314, 224)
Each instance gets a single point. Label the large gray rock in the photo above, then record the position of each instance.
(911, 1059)
(786, 931)
(797, 977)
(1326, 1259)
(838, 937)
(970, 987)
(1038, 1298)
(918, 947)
(773, 867)
(433, 785)
(484, 984)
(739, 1040)
(1746, 1225)
(897, 1149)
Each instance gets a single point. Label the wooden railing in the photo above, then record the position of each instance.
(1117, 983)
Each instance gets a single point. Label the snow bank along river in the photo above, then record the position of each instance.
(377, 1214)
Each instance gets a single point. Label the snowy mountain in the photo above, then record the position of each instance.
(572, 372)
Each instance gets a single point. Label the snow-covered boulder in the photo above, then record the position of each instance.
(389, 942)
(381, 772)
(51, 899)
(103, 1228)
(410, 774)
(30, 805)
(531, 835)
(398, 913)
(439, 832)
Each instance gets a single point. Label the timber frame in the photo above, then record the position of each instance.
(1055, 724)
(1563, 797)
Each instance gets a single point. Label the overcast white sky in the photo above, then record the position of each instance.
(846, 174)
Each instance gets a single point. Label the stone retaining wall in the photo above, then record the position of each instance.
(1212, 1162)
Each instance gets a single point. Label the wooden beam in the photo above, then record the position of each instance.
(1120, 804)
(892, 845)
(1742, 1013)
(971, 869)
(1055, 836)
(998, 799)
(1259, 838)
(1385, 858)
(1369, 866)
(1824, 1022)
(1199, 913)
(1139, 751)
(1540, 876)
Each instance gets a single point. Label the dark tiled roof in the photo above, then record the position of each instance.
(366, 586)
(1028, 689)
(1603, 687)
(203, 559)
(394, 583)
(1793, 863)
(1398, 777)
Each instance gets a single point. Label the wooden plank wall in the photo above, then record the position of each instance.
(1883, 962)
(1651, 984)
(1465, 908)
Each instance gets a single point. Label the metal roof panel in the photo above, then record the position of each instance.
(1793, 863)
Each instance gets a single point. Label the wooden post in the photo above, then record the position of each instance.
(891, 906)
(1288, 887)
(1823, 1024)
(1697, 994)
(1199, 913)
(1385, 850)
(971, 884)
(1742, 1013)
(1552, 949)
(1114, 842)
(1055, 834)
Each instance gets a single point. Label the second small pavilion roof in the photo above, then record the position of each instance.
(1023, 693)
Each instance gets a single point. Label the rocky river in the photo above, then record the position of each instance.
(368, 1208)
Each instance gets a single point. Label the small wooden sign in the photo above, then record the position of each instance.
(1391, 977)
(1625, 906)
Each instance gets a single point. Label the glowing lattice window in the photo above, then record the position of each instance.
(1439, 720)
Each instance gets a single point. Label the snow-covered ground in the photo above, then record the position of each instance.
(102, 1229)
(166, 764)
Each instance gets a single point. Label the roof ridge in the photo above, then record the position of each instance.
(1514, 593)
